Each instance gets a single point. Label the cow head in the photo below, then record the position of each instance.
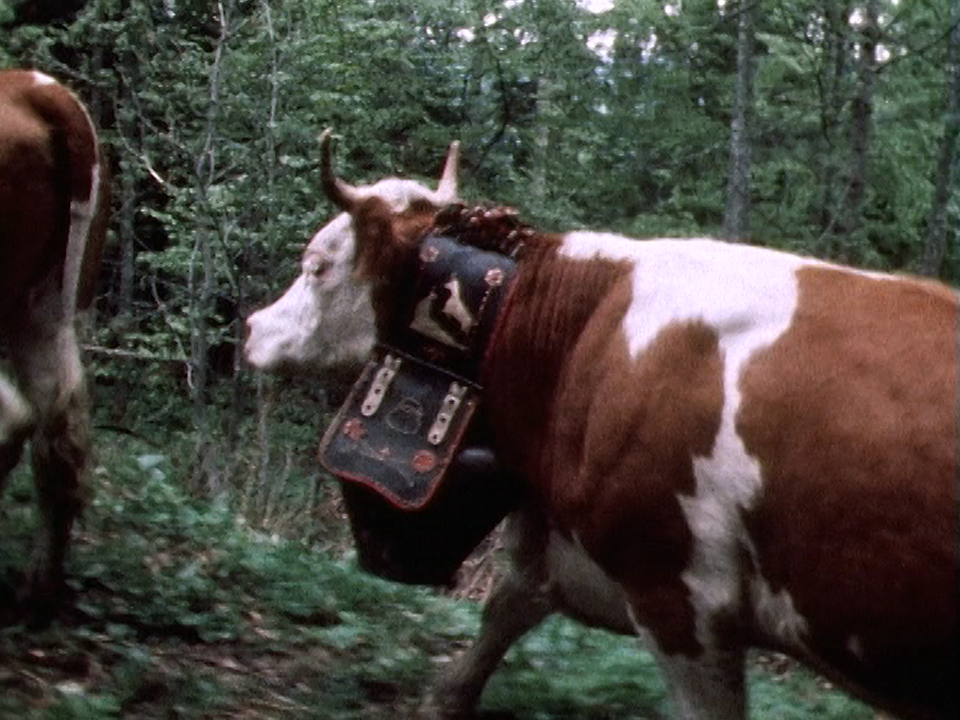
(324, 321)
(426, 546)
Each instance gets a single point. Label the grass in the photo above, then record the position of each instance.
(186, 612)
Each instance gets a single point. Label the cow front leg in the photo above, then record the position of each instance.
(710, 686)
(515, 606)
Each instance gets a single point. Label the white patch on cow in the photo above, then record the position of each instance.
(81, 218)
(56, 374)
(325, 318)
(734, 288)
(15, 414)
(776, 616)
(748, 295)
(41, 78)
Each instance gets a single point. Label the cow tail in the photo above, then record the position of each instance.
(78, 173)
(84, 187)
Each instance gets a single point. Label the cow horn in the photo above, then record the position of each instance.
(447, 189)
(342, 194)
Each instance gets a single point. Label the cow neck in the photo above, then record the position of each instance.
(553, 300)
(496, 229)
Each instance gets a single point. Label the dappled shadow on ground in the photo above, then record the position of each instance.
(114, 665)
(92, 674)
(103, 666)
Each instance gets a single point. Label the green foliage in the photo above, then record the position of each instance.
(163, 575)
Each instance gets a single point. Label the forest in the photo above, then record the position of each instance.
(213, 571)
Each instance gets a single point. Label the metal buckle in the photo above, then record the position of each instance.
(378, 389)
(448, 408)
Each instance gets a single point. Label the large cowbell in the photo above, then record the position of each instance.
(428, 546)
(419, 502)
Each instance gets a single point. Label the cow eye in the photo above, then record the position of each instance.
(318, 267)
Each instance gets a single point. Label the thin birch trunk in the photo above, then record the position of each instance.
(736, 217)
(945, 178)
(201, 276)
(832, 81)
(861, 120)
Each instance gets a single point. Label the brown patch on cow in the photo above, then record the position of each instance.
(852, 415)
(386, 250)
(47, 152)
(384, 238)
(551, 303)
(608, 441)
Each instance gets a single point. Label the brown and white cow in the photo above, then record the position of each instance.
(52, 212)
(758, 449)
(323, 326)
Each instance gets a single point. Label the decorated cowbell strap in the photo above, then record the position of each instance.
(457, 295)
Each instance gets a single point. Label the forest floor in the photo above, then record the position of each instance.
(184, 612)
(86, 670)
(70, 672)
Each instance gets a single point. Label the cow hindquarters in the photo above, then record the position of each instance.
(46, 359)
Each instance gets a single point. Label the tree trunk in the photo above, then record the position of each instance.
(935, 243)
(736, 217)
(126, 234)
(201, 274)
(545, 110)
(831, 81)
(861, 119)
(264, 397)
